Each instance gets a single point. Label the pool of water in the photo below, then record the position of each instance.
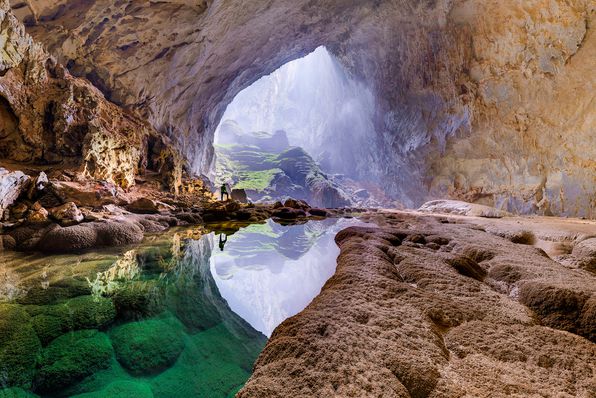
(185, 314)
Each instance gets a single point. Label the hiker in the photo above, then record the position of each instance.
(224, 191)
(222, 242)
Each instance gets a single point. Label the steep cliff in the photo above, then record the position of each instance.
(488, 101)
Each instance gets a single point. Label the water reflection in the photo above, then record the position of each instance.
(184, 314)
(270, 272)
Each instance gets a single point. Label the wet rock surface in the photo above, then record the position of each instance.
(423, 308)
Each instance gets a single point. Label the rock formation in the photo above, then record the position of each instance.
(49, 117)
(486, 101)
(421, 308)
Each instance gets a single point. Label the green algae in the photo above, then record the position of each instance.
(121, 389)
(211, 356)
(16, 392)
(19, 346)
(72, 357)
(146, 347)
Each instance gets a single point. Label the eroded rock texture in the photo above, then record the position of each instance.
(490, 102)
(49, 116)
(417, 308)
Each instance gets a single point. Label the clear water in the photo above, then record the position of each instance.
(174, 317)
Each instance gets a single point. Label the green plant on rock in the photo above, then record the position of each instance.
(16, 392)
(19, 346)
(146, 347)
(70, 358)
(121, 389)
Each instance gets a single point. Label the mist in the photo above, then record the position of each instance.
(321, 108)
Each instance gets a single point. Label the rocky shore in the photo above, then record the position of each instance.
(57, 216)
(436, 306)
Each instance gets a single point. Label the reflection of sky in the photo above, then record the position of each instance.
(268, 273)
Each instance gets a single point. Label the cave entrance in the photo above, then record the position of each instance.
(304, 132)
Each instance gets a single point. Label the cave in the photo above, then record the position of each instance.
(347, 198)
(310, 108)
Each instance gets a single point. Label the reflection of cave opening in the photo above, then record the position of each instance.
(305, 132)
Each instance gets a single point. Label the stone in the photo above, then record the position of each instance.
(146, 347)
(37, 215)
(70, 358)
(18, 210)
(239, 195)
(296, 204)
(7, 242)
(318, 212)
(399, 319)
(461, 208)
(143, 206)
(67, 214)
(12, 183)
(585, 251)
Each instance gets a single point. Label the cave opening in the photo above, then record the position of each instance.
(305, 131)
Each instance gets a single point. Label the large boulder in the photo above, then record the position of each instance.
(585, 251)
(239, 195)
(143, 206)
(70, 358)
(146, 347)
(59, 239)
(12, 183)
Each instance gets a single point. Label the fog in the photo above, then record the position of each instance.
(320, 107)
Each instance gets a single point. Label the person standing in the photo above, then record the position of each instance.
(224, 191)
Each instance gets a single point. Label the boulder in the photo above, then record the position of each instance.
(318, 212)
(288, 213)
(70, 358)
(239, 195)
(18, 210)
(67, 214)
(143, 206)
(58, 239)
(296, 204)
(361, 194)
(146, 347)
(39, 184)
(12, 183)
(585, 251)
(7, 242)
(37, 215)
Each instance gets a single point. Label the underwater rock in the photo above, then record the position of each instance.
(120, 389)
(83, 312)
(19, 346)
(16, 392)
(146, 347)
(70, 358)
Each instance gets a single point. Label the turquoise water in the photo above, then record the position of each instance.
(185, 314)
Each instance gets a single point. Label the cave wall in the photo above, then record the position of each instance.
(488, 101)
(48, 117)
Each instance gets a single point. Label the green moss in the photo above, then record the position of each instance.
(256, 180)
(16, 392)
(19, 346)
(88, 312)
(47, 327)
(147, 347)
(121, 389)
(72, 357)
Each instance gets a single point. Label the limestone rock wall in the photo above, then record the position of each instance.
(491, 102)
(49, 116)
